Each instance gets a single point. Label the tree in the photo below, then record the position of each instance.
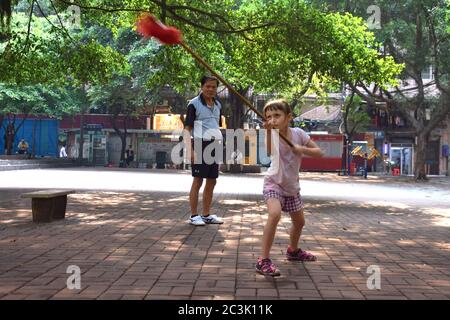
(124, 96)
(5, 16)
(415, 33)
(116, 99)
(356, 118)
(38, 49)
(327, 47)
(31, 100)
(14, 101)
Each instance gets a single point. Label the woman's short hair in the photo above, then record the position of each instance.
(208, 78)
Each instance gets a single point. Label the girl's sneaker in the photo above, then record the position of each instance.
(266, 267)
(299, 255)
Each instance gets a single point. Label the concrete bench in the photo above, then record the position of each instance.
(48, 205)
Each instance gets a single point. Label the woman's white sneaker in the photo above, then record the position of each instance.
(212, 219)
(197, 221)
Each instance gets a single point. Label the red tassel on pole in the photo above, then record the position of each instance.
(148, 26)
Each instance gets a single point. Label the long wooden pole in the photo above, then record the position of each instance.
(244, 99)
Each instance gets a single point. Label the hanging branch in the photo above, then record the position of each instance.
(29, 25)
(172, 9)
(60, 21)
(62, 28)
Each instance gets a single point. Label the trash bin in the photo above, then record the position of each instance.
(352, 168)
(160, 159)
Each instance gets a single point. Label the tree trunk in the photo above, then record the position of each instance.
(80, 149)
(5, 15)
(122, 136)
(123, 139)
(33, 149)
(84, 108)
(10, 136)
(348, 136)
(237, 108)
(420, 157)
(4, 136)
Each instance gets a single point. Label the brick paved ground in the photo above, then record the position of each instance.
(139, 246)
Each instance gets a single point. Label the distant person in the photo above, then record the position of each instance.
(73, 151)
(181, 154)
(23, 147)
(9, 133)
(236, 158)
(129, 156)
(366, 157)
(5, 137)
(62, 152)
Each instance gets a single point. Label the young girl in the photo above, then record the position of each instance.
(281, 184)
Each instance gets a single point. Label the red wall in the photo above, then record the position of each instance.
(332, 145)
(73, 122)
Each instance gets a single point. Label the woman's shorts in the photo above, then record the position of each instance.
(289, 204)
(204, 170)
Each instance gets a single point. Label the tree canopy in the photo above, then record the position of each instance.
(414, 33)
(270, 45)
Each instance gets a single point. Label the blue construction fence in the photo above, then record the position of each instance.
(42, 133)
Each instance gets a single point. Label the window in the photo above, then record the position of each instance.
(427, 73)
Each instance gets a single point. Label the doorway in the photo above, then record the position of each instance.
(402, 157)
